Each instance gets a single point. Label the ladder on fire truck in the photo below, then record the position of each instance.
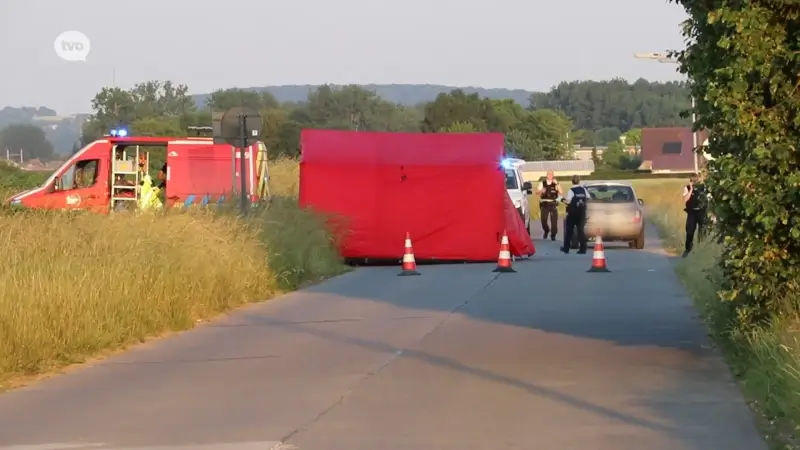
(126, 163)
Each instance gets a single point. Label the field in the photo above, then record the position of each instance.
(78, 285)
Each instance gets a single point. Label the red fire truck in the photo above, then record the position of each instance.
(107, 175)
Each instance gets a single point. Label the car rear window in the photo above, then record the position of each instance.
(611, 194)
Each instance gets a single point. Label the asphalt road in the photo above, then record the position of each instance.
(460, 358)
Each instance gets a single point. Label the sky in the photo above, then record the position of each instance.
(208, 45)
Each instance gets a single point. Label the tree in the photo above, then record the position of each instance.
(520, 145)
(596, 158)
(532, 135)
(509, 114)
(157, 98)
(617, 158)
(404, 118)
(608, 136)
(281, 133)
(593, 105)
(458, 106)
(224, 99)
(744, 65)
(157, 126)
(113, 103)
(550, 130)
(614, 156)
(288, 139)
(115, 107)
(586, 138)
(348, 108)
(459, 127)
(201, 118)
(633, 137)
(28, 138)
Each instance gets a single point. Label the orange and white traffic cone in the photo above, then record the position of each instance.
(598, 257)
(409, 263)
(504, 258)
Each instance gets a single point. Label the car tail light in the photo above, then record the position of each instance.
(637, 216)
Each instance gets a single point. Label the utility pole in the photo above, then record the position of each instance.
(666, 59)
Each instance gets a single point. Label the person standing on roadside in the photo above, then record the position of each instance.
(695, 199)
(577, 200)
(549, 191)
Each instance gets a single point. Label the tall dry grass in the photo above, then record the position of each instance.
(285, 177)
(766, 361)
(74, 285)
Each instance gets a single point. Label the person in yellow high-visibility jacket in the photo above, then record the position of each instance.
(148, 198)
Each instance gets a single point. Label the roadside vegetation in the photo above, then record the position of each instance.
(743, 65)
(764, 358)
(78, 285)
(13, 180)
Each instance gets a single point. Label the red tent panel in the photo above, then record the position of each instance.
(519, 240)
(447, 190)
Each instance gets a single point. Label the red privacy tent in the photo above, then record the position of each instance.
(446, 189)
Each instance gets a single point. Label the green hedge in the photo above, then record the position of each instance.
(743, 62)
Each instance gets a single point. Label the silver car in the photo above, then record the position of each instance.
(614, 213)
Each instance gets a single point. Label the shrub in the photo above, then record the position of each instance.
(743, 60)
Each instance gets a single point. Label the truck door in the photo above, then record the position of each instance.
(82, 185)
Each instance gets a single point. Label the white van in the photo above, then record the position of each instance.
(518, 190)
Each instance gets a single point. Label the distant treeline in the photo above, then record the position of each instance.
(537, 125)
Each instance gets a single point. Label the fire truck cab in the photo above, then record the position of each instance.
(107, 175)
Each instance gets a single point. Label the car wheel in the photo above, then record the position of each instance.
(638, 244)
(573, 243)
(528, 226)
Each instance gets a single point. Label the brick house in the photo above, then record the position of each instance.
(670, 149)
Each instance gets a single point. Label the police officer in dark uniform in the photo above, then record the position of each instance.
(696, 200)
(549, 190)
(576, 200)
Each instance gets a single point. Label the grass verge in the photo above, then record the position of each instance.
(76, 285)
(766, 362)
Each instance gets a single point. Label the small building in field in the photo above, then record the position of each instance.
(670, 150)
(534, 170)
(37, 165)
(585, 153)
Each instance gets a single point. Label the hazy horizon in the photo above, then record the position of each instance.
(530, 45)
